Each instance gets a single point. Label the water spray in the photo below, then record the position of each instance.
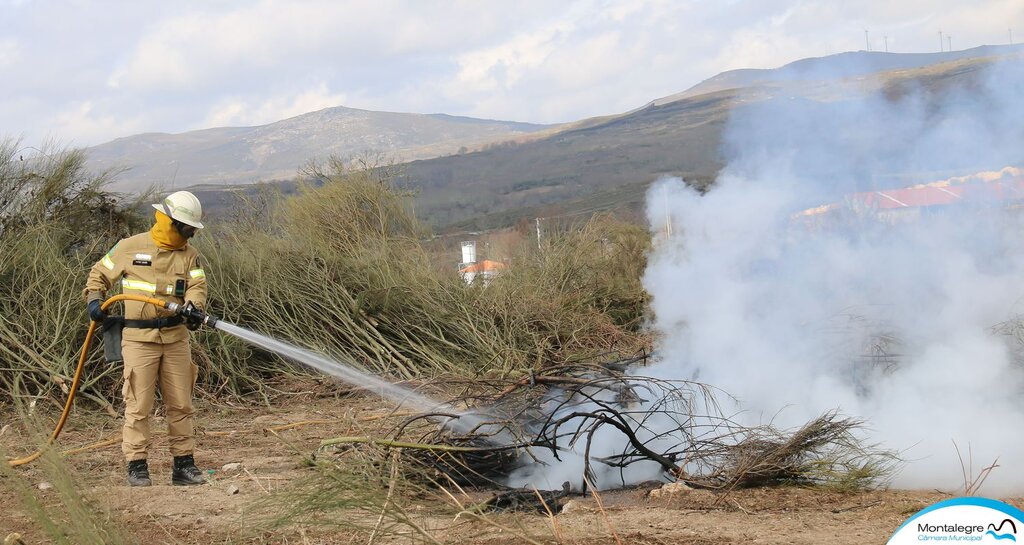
(459, 420)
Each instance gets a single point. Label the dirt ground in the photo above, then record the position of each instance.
(271, 462)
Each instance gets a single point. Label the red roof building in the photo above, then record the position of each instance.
(1005, 185)
(485, 266)
(485, 270)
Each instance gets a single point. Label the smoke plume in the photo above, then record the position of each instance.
(895, 320)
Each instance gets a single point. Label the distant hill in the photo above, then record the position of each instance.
(607, 163)
(833, 67)
(680, 138)
(240, 155)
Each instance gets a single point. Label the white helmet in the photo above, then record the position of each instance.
(184, 207)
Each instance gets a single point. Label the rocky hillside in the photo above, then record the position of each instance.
(240, 155)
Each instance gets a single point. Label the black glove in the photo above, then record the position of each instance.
(193, 317)
(96, 313)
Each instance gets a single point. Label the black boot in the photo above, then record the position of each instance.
(185, 471)
(138, 473)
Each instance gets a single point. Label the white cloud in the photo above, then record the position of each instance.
(155, 64)
(595, 58)
(275, 35)
(83, 123)
(177, 67)
(505, 65)
(10, 52)
(238, 111)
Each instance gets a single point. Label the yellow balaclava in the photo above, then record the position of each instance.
(165, 235)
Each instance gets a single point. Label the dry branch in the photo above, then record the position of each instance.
(677, 425)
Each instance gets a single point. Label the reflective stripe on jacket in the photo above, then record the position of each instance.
(140, 267)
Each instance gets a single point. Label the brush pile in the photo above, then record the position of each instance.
(602, 426)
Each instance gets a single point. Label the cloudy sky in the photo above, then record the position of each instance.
(84, 72)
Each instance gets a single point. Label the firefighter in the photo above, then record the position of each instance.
(155, 342)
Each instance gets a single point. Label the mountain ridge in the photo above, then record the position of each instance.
(607, 162)
(591, 164)
(837, 66)
(232, 155)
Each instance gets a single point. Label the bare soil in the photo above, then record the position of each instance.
(272, 462)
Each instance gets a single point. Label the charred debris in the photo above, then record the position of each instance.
(622, 429)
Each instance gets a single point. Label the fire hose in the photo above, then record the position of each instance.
(186, 311)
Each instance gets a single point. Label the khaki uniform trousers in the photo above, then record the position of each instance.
(145, 365)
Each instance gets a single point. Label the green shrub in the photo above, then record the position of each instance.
(55, 222)
(343, 269)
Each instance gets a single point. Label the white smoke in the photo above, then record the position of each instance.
(794, 322)
(655, 417)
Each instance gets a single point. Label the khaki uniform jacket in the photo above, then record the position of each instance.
(143, 268)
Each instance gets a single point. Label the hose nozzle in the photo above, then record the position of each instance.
(192, 315)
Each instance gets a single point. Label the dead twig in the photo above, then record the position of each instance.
(387, 500)
(402, 444)
(556, 528)
(973, 484)
(255, 480)
(740, 507)
(303, 423)
(604, 514)
(858, 507)
(110, 441)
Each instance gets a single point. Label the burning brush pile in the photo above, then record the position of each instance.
(604, 426)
